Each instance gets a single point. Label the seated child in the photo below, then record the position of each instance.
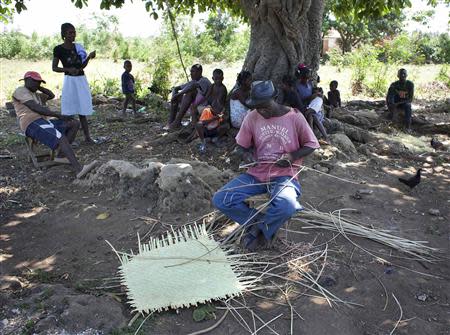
(238, 107)
(216, 92)
(314, 114)
(215, 98)
(128, 88)
(290, 94)
(211, 124)
(334, 98)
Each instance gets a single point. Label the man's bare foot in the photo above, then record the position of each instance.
(86, 169)
(174, 126)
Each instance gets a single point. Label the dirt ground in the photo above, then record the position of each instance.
(54, 262)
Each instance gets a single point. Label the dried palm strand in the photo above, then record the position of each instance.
(346, 226)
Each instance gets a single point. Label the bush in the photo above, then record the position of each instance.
(444, 75)
(107, 86)
(336, 58)
(161, 82)
(362, 59)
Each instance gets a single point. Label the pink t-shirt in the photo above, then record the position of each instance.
(271, 138)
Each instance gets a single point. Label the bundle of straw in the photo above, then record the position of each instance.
(336, 221)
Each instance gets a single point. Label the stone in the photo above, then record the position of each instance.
(321, 168)
(434, 212)
(172, 174)
(343, 143)
(422, 297)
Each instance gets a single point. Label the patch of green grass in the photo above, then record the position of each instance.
(24, 305)
(11, 140)
(28, 327)
(41, 276)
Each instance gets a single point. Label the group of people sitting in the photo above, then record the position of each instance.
(212, 111)
(275, 127)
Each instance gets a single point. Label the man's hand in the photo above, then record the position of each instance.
(65, 117)
(92, 55)
(284, 161)
(247, 157)
(175, 96)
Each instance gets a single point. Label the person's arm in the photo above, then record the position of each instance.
(243, 154)
(42, 110)
(339, 99)
(242, 98)
(50, 95)
(56, 68)
(188, 87)
(89, 57)
(411, 93)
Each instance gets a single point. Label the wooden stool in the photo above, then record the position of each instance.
(37, 156)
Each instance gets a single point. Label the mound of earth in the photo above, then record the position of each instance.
(177, 186)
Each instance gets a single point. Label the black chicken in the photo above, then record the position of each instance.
(436, 144)
(413, 181)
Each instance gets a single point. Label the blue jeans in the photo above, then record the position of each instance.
(230, 200)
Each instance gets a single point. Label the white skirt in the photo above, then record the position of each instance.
(76, 96)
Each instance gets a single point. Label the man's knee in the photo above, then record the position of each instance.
(218, 200)
(287, 206)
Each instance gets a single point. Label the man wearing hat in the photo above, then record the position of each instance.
(274, 139)
(40, 123)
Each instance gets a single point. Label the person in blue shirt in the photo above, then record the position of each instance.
(304, 84)
(128, 87)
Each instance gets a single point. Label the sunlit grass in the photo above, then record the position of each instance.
(101, 69)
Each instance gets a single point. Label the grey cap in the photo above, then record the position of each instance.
(261, 92)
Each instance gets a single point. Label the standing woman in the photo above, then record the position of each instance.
(76, 96)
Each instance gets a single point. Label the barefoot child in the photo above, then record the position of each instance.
(128, 88)
(212, 116)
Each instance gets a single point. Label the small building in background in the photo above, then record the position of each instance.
(330, 41)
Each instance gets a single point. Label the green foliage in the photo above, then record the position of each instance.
(361, 60)
(444, 75)
(354, 29)
(417, 48)
(110, 87)
(220, 42)
(204, 312)
(28, 327)
(377, 86)
(161, 82)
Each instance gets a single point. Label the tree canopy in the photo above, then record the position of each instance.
(360, 9)
(353, 29)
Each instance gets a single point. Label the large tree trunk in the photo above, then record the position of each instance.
(284, 33)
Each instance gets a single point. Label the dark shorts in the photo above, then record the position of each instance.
(210, 132)
(46, 132)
